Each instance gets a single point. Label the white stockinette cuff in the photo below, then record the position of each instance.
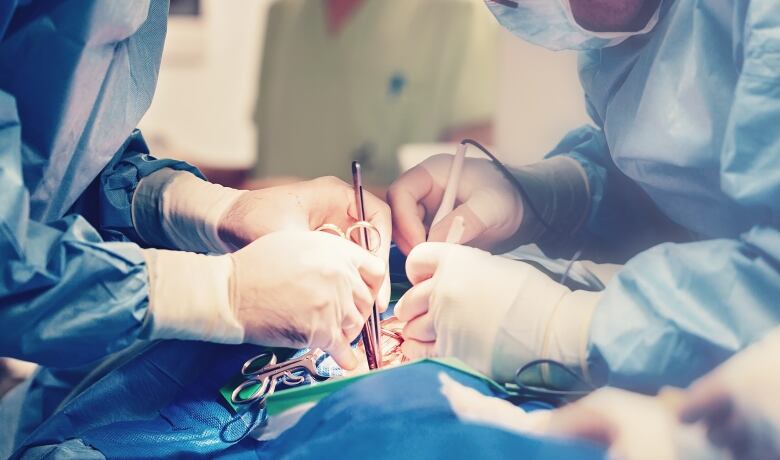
(191, 297)
(185, 208)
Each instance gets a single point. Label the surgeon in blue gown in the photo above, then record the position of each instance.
(102, 245)
(679, 174)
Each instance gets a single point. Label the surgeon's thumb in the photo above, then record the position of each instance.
(342, 353)
(460, 226)
(424, 260)
(372, 269)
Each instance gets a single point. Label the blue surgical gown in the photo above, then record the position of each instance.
(687, 127)
(75, 79)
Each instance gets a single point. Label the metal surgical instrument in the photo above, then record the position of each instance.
(451, 189)
(370, 331)
(371, 328)
(263, 372)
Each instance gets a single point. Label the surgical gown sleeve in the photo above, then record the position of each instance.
(622, 219)
(67, 296)
(677, 310)
(118, 182)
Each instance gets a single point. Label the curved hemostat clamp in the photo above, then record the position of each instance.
(263, 372)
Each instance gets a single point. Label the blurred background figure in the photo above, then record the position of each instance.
(268, 89)
(357, 79)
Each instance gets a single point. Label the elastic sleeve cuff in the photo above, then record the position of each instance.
(147, 208)
(192, 297)
(557, 201)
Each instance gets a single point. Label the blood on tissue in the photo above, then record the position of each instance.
(390, 342)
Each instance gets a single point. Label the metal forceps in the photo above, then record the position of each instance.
(370, 332)
(264, 372)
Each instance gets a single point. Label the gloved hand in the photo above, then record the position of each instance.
(495, 216)
(178, 210)
(288, 289)
(493, 313)
(631, 426)
(491, 208)
(738, 401)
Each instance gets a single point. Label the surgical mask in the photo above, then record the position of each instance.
(551, 24)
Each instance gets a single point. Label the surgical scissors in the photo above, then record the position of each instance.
(265, 373)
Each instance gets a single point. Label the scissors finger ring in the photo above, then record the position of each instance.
(373, 234)
(331, 228)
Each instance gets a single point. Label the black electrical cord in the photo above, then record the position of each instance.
(512, 179)
(548, 394)
(526, 200)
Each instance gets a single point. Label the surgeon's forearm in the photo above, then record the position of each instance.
(177, 210)
(622, 220)
(556, 200)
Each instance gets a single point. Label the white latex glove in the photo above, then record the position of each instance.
(491, 208)
(632, 427)
(493, 313)
(179, 210)
(738, 401)
(290, 289)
